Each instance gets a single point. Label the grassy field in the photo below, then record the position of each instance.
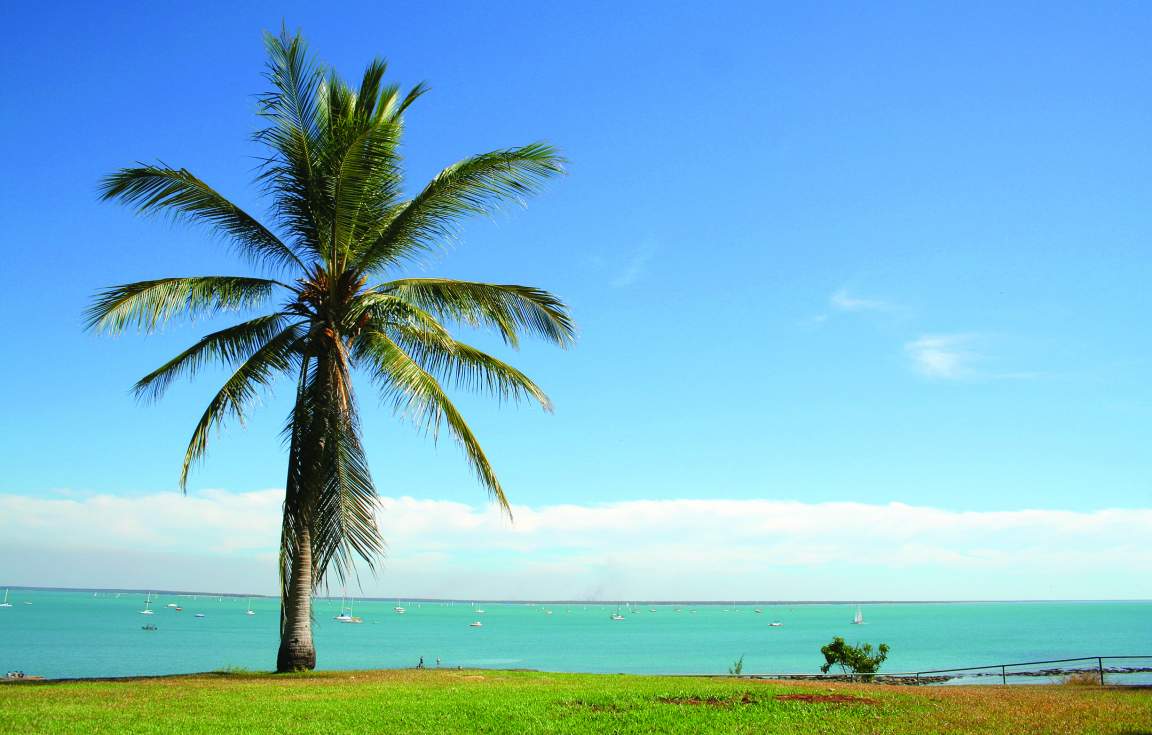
(350, 703)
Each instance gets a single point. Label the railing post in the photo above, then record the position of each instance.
(1100, 667)
(1003, 676)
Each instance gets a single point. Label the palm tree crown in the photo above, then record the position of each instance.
(342, 225)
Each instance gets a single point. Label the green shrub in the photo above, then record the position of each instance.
(858, 659)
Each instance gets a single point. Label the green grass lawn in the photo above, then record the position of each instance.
(349, 703)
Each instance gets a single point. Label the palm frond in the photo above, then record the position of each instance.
(415, 393)
(504, 307)
(329, 491)
(461, 365)
(176, 192)
(227, 346)
(363, 174)
(373, 307)
(476, 185)
(289, 173)
(150, 304)
(241, 389)
(344, 523)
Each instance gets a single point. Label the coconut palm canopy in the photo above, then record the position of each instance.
(339, 227)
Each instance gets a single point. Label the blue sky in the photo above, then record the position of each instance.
(892, 254)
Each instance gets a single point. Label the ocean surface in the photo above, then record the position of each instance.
(56, 633)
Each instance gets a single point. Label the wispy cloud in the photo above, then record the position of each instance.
(691, 548)
(842, 300)
(943, 356)
(636, 265)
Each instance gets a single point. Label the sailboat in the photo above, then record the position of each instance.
(859, 619)
(616, 615)
(5, 603)
(250, 610)
(147, 605)
(349, 617)
(344, 615)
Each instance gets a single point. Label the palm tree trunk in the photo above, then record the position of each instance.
(297, 653)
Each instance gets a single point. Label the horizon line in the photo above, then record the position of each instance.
(529, 601)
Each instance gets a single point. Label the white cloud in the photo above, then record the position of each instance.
(841, 300)
(636, 265)
(644, 549)
(943, 356)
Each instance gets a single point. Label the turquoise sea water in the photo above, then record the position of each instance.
(74, 634)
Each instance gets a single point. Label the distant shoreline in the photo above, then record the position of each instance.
(545, 601)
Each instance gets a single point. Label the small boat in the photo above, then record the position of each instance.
(617, 616)
(758, 611)
(5, 603)
(148, 627)
(178, 609)
(199, 615)
(477, 624)
(859, 619)
(171, 604)
(250, 610)
(147, 605)
(775, 624)
(651, 609)
(344, 615)
(399, 609)
(547, 612)
(348, 617)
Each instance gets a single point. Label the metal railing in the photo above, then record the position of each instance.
(1001, 671)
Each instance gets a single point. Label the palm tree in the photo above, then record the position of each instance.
(341, 225)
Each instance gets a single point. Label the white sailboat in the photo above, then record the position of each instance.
(349, 617)
(250, 610)
(399, 610)
(344, 615)
(147, 605)
(859, 619)
(5, 603)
